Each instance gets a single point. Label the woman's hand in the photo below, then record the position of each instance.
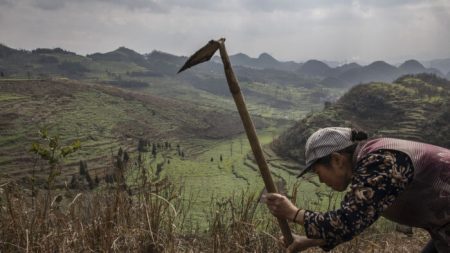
(301, 243)
(280, 206)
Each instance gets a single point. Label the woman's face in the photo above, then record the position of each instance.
(337, 174)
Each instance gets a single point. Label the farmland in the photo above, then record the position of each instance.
(184, 131)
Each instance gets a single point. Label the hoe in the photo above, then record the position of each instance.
(204, 54)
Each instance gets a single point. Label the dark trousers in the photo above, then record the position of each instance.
(429, 248)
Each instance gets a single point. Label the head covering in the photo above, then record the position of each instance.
(325, 141)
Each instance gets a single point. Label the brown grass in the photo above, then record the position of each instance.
(111, 220)
(152, 216)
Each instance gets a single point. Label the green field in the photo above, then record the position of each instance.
(205, 126)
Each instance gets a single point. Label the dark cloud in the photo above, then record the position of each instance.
(290, 5)
(49, 4)
(144, 5)
(390, 3)
(149, 5)
(6, 2)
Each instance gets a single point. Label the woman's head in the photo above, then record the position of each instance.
(329, 153)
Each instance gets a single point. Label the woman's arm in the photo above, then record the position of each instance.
(372, 190)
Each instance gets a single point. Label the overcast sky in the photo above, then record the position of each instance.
(342, 30)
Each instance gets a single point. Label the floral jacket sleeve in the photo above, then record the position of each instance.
(378, 178)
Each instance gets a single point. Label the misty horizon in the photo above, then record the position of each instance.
(343, 31)
(329, 62)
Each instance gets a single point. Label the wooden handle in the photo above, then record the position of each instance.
(251, 134)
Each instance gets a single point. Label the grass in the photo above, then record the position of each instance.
(153, 220)
(5, 97)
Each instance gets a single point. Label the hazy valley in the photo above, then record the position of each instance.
(183, 130)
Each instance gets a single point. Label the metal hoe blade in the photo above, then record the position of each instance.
(203, 54)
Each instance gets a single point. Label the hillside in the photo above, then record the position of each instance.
(414, 107)
(102, 118)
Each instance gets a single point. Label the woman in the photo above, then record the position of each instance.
(406, 182)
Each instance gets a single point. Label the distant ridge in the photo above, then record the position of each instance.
(264, 69)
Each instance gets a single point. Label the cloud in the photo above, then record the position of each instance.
(288, 29)
(142, 5)
(49, 4)
(7, 3)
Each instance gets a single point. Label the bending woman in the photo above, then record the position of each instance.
(406, 182)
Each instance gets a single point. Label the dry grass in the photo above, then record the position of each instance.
(152, 216)
(111, 220)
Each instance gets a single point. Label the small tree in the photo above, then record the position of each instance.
(83, 167)
(50, 149)
(53, 153)
(89, 180)
(126, 157)
(154, 151)
(140, 145)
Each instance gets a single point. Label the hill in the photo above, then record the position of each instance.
(315, 68)
(412, 67)
(442, 65)
(102, 117)
(124, 64)
(122, 54)
(414, 107)
(264, 61)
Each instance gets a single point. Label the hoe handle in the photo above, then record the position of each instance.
(251, 134)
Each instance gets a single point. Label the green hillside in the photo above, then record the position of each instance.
(102, 118)
(414, 107)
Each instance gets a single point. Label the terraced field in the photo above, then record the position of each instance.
(216, 160)
(102, 118)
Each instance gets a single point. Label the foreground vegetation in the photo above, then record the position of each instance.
(154, 219)
(137, 210)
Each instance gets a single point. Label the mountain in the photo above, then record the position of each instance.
(41, 63)
(164, 63)
(333, 79)
(345, 67)
(6, 51)
(122, 54)
(124, 63)
(314, 68)
(379, 71)
(264, 61)
(402, 109)
(442, 65)
(376, 71)
(412, 67)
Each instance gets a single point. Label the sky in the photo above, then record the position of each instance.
(298, 30)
